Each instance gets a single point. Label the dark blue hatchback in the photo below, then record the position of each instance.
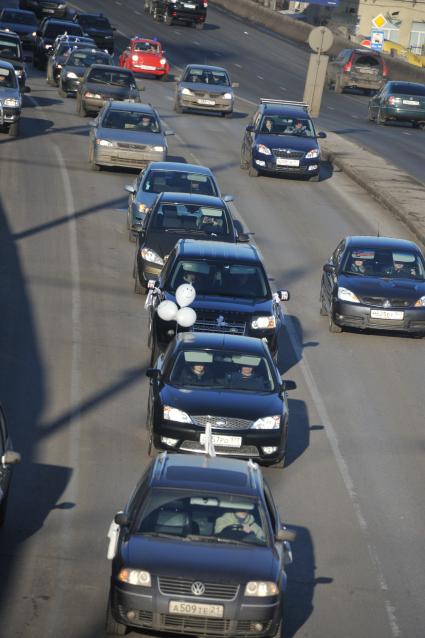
(282, 139)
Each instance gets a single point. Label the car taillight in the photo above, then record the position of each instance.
(205, 3)
(391, 100)
(384, 69)
(347, 67)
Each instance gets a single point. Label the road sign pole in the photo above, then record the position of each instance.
(320, 40)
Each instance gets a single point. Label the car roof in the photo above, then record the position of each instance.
(217, 250)
(6, 65)
(139, 38)
(367, 51)
(190, 198)
(180, 166)
(110, 68)
(370, 241)
(282, 109)
(421, 84)
(11, 34)
(119, 105)
(219, 475)
(205, 67)
(58, 21)
(220, 341)
(17, 10)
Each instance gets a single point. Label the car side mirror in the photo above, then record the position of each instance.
(121, 519)
(243, 237)
(286, 535)
(27, 89)
(153, 373)
(130, 189)
(228, 198)
(152, 283)
(329, 268)
(235, 85)
(322, 135)
(283, 295)
(92, 123)
(168, 132)
(288, 385)
(250, 128)
(10, 458)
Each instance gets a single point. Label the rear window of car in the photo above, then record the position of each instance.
(179, 182)
(52, 30)
(18, 18)
(366, 59)
(407, 89)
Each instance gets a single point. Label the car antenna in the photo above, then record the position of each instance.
(378, 234)
(209, 445)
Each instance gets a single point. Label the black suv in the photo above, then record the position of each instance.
(228, 381)
(186, 11)
(281, 139)
(43, 8)
(98, 27)
(177, 215)
(233, 293)
(8, 458)
(46, 36)
(199, 549)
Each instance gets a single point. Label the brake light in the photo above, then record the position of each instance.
(391, 100)
(347, 67)
(205, 3)
(384, 69)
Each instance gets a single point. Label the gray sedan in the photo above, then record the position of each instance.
(205, 88)
(128, 135)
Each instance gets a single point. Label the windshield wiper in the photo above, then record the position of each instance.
(164, 535)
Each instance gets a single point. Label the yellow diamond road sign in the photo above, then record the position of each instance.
(379, 21)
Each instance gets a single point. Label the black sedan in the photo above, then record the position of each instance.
(76, 64)
(399, 102)
(8, 458)
(24, 23)
(177, 215)
(199, 550)
(374, 282)
(228, 381)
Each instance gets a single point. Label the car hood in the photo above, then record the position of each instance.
(96, 31)
(287, 141)
(145, 197)
(222, 304)
(19, 28)
(17, 64)
(206, 88)
(113, 92)
(134, 137)
(5, 93)
(241, 405)
(163, 242)
(205, 561)
(406, 289)
(78, 70)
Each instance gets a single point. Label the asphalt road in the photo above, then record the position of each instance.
(72, 361)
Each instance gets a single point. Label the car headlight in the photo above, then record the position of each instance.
(134, 577)
(173, 414)
(47, 46)
(96, 96)
(150, 255)
(227, 96)
(19, 73)
(59, 66)
(72, 75)
(34, 33)
(267, 423)
(420, 302)
(163, 61)
(312, 154)
(186, 91)
(346, 295)
(104, 143)
(158, 149)
(263, 149)
(262, 323)
(12, 101)
(134, 58)
(261, 588)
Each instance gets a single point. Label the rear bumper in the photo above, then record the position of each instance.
(188, 16)
(359, 316)
(360, 82)
(397, 113)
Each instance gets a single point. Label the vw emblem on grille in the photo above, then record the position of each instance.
(198, 589)
(387, 303)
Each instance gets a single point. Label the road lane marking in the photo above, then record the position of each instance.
(238, 65)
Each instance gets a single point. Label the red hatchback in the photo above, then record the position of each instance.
(145, 56)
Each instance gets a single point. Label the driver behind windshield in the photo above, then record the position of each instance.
(239, 521)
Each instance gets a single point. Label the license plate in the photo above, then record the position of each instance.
(280, 161)
(387, 314)
(413, 102)
(207, 102)
(189, 5)
(147, 67)
(195, 609)
(227, 441)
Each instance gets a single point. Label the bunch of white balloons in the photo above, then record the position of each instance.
(184, 316)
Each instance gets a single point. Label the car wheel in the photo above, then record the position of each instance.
(154, 352)
(81, 109)
(164, 77)
(333, 327)
(416, 124)
(314, 178)
(380, 119)
(338, 88)
(323, 311)
(14, 129)
(112, 627)
(177, 107)
(61, 92)
(168, 20)
(252, 172)
(3, 509)
(139, 288)
(369, 115)
(131, 236)
(227, 114)
(199, 25)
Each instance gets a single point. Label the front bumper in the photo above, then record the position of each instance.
(9, 115)
(115, 156)
(269, 164)
(150, 610)
(252, 445)
(70, 85)
(359, 316)
(157, 71)
(411, 115)
(219, 105)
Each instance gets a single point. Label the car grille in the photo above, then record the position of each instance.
(380, 301)
(233, 322)
(288, 153)
(246, 450)
(131, 161)
(182, 587)
(132, 147)
(208, 96)
(222, 423)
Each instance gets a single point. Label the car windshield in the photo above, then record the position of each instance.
(160, 181)
(208, 220)
(408, 89)
(10, 50)
(18, 18)
(7, 79)
(204, 516)
(131, 121)
(233, 371)
(283, 125)
(116, 78)
(52, 30)
(94, 21)
(210, 277)
(86, 59)
(206, 76)
(147, 47)
(384, 263)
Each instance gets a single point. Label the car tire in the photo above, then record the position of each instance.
(14, 129)
(164, 77)
(252, 172)
(369, 115)
(139, 288)
(243, 163)
(337, 86)
(416, 124)
(314, 178)
(112, 627)
(154, 352)
(177, 107)
(380, 119)
(333, 327)
(199, 25)
(3, 509)
(131, 236)
(61, 92)
(227, 114)
(323, 311)
(81, 109)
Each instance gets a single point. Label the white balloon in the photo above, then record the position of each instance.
(167, 310)
(185, 294)
(186, 317)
